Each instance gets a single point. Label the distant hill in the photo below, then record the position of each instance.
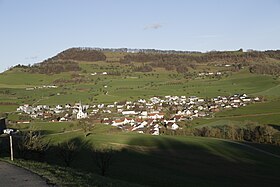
(165, 58)
(181, 61)
(79, 54)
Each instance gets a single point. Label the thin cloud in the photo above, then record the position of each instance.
(154, 26)
(31, 58)
(208, 36)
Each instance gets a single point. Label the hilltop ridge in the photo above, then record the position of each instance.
(146, 60)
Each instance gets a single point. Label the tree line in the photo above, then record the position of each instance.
(79, 54)
(172, 61)
(250, 132)
(266, 68)
(54, 67)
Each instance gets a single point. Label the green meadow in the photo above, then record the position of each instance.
(131, 86)
(128, 85)
(260, 113)
(160, 160)
(144, 159)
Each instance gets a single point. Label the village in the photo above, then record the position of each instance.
(142, 116)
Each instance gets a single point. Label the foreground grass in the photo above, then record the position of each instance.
(62, 176)
(180, 161)
(158, 161)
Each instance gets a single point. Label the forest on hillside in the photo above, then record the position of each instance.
(261, 62)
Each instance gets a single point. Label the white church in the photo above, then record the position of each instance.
(82, 114)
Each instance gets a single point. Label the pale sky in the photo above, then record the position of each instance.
(33, 30)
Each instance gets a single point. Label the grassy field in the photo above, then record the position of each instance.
(262, 113)
(167, 160)
(8, 108)
(144, 159)
(164, 160)
(131, 86)
(134, 85)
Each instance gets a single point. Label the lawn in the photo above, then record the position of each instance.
(8, 108)
(163, 160)
(175, 161)
(133, 86)
(145, 159)
(108, 88)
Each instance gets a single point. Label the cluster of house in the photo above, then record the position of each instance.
(169, 111)
(58, 113)
(102, 73)
(142, 116)
(201, 74)
(225, 65)
(41, 87)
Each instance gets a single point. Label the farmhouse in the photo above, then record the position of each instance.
(131, 112)
(155, 116)
(117, 123)
(174, 126)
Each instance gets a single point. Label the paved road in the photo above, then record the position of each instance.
(13, 176)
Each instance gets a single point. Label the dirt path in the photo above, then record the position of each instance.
(44, 98)
(65, 132)
(13, 176)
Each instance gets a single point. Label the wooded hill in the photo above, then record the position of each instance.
(259, 61)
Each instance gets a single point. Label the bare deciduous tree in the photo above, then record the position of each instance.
(103, 159)
(31, 143)
(67, 151)
(86, 125)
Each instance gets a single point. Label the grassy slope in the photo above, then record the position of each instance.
(177, 161)
(262, 113)
(172, 161)
(132, 86)
(161, 161)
